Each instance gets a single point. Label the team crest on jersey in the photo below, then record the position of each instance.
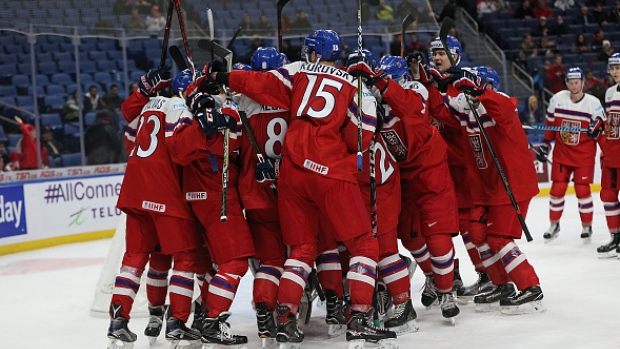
(612, 129)
(438, 124)
(395, 145)
(475, 142)
(570, 138)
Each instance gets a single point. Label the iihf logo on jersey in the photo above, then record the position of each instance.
(476, 146)
(612, 129)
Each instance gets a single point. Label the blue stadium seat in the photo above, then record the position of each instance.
(89, 118)
(7, 100)
(73, 159)
(8, 91)
(46, 67)
(97, 55)
(13, 139)
(52, 120)
(134, 76)
(61, 79)
(24, 101)
(21, 80)
(102, 77)
(114, 55)
(72, 129)
(106, 65)
(57, 90)
(86, 78)
(42, 80)
(3, 137)
(88, 67)
(62, 56)
(66, 66)
(9, 58)
(71, 88)
(54, 104)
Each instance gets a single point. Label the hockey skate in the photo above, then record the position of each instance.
(485, 301)
(403, 319)
(429, 293)
(610, 249)
(383, 300)
(360, 329)
(449, 309)
(527, 302)
(199, 316)
(289, 335)
(335, 316)
(483, 285)
(586, 233)
(180, 336)
(216, 334)
(458, 282)
(120, 336)
(156, 321)
(266, 326)
(552, 232)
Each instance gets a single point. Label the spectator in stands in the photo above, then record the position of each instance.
(597, 40)
(4, 158)
(609, 81)
(246, 23)
(24, 157)
(132, 88)
(530, 112)
(584, 17)
(486, 6)
(593, 85)
(547, 47)
(287, 22)
(406, 6)
(301, 24)
(449, 10)
(559, 27)
(615, 13)
(542, 9)
(54, 149)
(542, 28)
(524, 11)
(91, 100)
(564, 4)
(155, 22)
(104, 144)
(70, 111)
(135, 23)
(503, 6)
(598, 15)
(255, 42)
(385, 12)
(112, 100)
(606, 51)
(581, 45)
(527, 48)
(122, 7)
(263, 26)
(555, 74)
(415, 44)
(143, 6)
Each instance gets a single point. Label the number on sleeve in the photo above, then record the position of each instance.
(274, 137)
(320, 92)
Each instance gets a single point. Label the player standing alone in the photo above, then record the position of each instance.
(316, 180)
(573, 153)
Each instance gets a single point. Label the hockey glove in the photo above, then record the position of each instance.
(595, 128)
(213, 120)
(543, 151)
(360, 67)
(414, 62)
(198, 101)
(380, 117)
(266, 171)
(154, 80)
(466, 81)
(214, 66)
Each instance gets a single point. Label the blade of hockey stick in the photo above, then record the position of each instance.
(211, 24)
(217, 49)
(177, 57)
(232, 41)
(446, 25)
(410, 18)
(280, 6)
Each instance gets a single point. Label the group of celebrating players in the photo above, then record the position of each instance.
(299, 199)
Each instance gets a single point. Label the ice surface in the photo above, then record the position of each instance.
(45, 297)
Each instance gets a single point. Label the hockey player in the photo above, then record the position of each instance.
(496, 243)
(157, 217)
(610, 129)
(197, 144)
(421, 153)
(259, 194)
(573, 153)
(316, 178)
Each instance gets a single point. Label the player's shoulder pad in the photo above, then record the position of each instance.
(417, 87)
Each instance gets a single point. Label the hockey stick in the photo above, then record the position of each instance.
(280, 7)
(537, 152)
(554, 128)
(410, 18)
(164, 47)
(259, 154)
(188, 53)
(211, 24)
(232, 41)
(446, 25)
(359, 89)
(177, 57)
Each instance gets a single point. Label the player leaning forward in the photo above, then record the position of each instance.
(316, 180)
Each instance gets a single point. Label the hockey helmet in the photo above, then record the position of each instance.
(181, 81)
(454, 46)
(574, 73)
(265, 58)
(325, 43)
(241, 66)
(613, 60)
(283, 59)
(395, 67)
(489, 75)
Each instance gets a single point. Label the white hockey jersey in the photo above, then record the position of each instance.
(611, 147)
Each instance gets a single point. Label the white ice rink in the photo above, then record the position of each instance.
(45, 297)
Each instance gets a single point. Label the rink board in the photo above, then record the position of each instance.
(47, 209)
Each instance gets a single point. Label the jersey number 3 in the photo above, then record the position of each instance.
(311, 93)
